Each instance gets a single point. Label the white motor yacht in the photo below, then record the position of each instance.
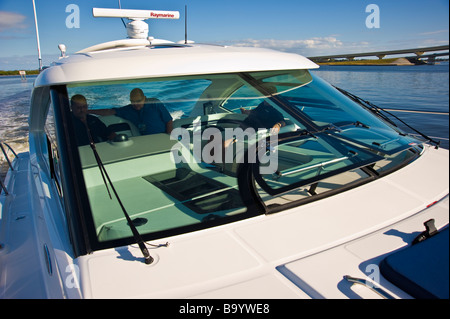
(323, 197)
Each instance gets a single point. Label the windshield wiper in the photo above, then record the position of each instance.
(286, 136)
(137, 237)
(338, 127)
(358, 123)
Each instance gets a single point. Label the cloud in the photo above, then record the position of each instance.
(308, 47)
(434, 32)
(11, 21)
(313, 43)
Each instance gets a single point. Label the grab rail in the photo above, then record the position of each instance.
(6, 155)
(8, 161)
(369, 285)
(321, 164)
(3, 187)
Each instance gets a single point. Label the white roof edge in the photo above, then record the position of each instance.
(145, 62)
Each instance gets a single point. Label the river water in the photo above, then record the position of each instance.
(418, 87)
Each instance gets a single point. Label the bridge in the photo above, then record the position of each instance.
(419, 54)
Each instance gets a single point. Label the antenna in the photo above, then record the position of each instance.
(185, 24)
(120, 7)
(136, 29)
(37, 37)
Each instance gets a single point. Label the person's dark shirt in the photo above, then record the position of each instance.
(98, 129)
(151, 119)
(263, 116)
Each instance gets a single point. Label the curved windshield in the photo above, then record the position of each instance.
(188, 152)
(345, 118)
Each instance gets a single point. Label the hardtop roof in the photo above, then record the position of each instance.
(166, 60)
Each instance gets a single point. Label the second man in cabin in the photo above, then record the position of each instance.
(149, 115)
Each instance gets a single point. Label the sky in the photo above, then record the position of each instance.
(310, 28)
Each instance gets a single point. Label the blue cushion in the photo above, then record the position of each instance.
(421, 270)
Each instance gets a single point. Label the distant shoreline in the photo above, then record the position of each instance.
(377, 62)
(16, 72)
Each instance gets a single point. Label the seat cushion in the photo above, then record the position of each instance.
(421, 270)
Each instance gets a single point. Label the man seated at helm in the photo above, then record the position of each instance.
(87, 126)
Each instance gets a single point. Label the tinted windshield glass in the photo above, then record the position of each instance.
(303, 161)
(321, 103)
(179, 150)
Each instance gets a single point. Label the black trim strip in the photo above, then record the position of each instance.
(76, 202)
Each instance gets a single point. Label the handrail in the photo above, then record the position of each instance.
(417, 111)
(321, 164)
(9, 163)
(3, 187)
(369, 285)
(435, 137)
(6, 155)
